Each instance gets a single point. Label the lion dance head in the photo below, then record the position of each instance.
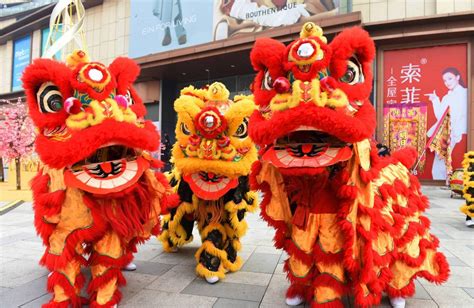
(313, 99)
(213, 148)
(90, 121)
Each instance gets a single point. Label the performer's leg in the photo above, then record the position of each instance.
(66, 284)
(236, 227)
(109, 255)
(177, 227)
(329, 280)
(300, 275)
(329, 285)
(211, 255)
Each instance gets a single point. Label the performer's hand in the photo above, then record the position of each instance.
(433, 97)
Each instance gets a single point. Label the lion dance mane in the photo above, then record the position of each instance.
(351, 222)
(212, 159)
(95, 194)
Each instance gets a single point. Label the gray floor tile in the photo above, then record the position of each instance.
(455, 261)
(469, 291)
(135, 283)
(24, 294)
(3, 289)
(283, 257)
(275, 293)
(38, 301)
(450, 297)
(420, 292)
(234, 303)
(151, 268)
(14, 238)
(152, 298)
(420, 303)
(18, 272)
(174, 280)
(225, 290)
(260, 279)
(261, 263)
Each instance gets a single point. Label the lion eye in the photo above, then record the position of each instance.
(353, 73)
(242, 130)
(49, 98)
(185, 129)
(267, 82)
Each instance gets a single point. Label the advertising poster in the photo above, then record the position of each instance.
(44, 40)
(425, 106)
(162, 25)
(21, 58)
(233, 17)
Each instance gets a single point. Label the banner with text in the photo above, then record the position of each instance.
(162, 25)
(21, 58)
(425, 105)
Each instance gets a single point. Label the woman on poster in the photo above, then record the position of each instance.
(456, 101)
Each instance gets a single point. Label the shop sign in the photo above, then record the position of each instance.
(162, 25)
(21, 58)
(425, 106)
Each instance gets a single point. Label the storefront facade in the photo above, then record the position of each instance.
(177, 43)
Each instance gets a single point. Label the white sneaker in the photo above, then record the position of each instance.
(130, 267)
(470, 223)
(212, 280)
(294, 301)
(397, 302)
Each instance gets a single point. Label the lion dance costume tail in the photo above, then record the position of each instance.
(212, 158)
(468, 181)
(95, 194)
(351, 222)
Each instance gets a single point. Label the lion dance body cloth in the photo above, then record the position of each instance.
(95, 198)
(351, 222)
(212, 158)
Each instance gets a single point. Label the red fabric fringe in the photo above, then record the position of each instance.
(103, 279)
(109, 261)
(57, 278)
(113, 301)
(304, 291)
(337, 303)
(293, 250)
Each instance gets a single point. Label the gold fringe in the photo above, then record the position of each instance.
(233, 267)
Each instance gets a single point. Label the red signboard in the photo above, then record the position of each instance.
(425, 105)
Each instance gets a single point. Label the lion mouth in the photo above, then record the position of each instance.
(107, 153)
(304, 68)
(307, 147)
(109, 169)
(210, 186)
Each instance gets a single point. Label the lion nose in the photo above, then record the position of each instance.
(281, 85)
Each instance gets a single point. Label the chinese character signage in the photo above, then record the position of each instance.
(425, 106)
(21, 58)
(161, 25)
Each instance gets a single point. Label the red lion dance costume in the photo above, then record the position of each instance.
(350, 221)
(95, 193)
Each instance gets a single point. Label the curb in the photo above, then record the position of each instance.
(10, 206)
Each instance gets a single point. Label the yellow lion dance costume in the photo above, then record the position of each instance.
(468, 191)
(212, 158)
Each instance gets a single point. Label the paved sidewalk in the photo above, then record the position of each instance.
(168, 279)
